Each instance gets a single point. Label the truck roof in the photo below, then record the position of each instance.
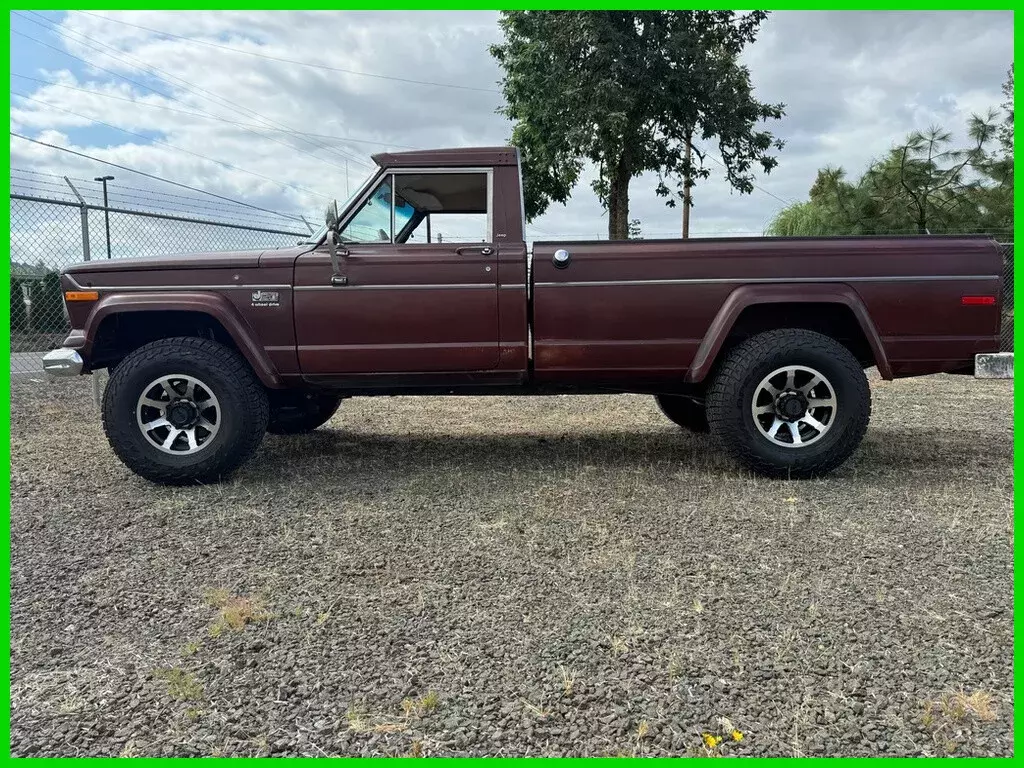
(459, 156)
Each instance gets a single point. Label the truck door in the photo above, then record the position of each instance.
(420, 291)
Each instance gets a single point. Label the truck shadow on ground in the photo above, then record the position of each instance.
(932, 452)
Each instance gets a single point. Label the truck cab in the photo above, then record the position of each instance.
(428, 284)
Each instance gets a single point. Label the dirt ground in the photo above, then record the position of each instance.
(501, 576)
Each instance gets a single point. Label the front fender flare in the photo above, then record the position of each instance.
(786, 293)
(212, 304)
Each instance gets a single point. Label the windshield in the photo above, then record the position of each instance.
(320, 231)
(372, 222)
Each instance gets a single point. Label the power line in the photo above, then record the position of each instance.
(137, 103)
(153, 176)
(195, 89)
(755, 186)
(124, 77)
(173, 146)
(154, 90)
(294, 61)
(124, 58)
(168, 76)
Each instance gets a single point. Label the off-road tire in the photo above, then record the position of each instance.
(295, 413)
(730, 395)
(683, 411)
(242, 400)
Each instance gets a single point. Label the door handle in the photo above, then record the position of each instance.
(484, 251)
(339, 280)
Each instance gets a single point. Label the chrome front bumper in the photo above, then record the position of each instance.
(62, 362)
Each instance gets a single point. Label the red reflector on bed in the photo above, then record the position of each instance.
(986, 301)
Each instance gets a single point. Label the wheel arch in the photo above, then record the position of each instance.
(833, 309)
(156, 316)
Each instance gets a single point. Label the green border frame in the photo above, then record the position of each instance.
(5, 377)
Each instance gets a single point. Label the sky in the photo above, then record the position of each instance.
(163, 93)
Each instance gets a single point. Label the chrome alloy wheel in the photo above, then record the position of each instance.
(178, 414)
(794, 406)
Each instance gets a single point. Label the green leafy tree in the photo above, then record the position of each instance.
(922, 185)
(1006, 130)
(631, 92)
(995, 199)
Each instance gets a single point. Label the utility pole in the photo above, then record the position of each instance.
(687, 185)
(106, 208)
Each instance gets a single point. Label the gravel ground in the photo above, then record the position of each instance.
(535, 576)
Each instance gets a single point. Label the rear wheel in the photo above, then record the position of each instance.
(294, 413)
(683, 411)
(789, 403)
(184, 410)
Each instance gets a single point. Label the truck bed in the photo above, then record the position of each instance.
(651, 309)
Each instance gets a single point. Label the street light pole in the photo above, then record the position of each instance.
(106, 208)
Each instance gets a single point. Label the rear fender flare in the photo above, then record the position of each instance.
(787, 293)
(211, 304)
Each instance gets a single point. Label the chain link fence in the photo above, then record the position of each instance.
(49, 234)
(1006, 327)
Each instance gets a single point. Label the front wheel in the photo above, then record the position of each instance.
(789, 403)
(184, 410)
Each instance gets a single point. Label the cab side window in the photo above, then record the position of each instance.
(442, 208)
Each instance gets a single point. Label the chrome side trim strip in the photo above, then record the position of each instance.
(746, 280)
(518, 286)
(129, 288)
(379, 347)
(408, 287)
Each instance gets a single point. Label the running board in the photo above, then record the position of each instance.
(997, 365)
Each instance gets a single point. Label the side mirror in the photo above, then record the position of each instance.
(331, 215)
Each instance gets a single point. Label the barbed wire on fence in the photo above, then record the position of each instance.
(140, 198)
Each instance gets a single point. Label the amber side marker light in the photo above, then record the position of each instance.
(81, 295)
(974, 301)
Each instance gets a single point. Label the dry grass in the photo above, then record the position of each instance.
(234, 612)
(535, 710)
(951, 714)
(961, 706)
(424, 705)
(181, 684)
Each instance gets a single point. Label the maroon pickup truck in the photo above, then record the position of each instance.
(424, 284)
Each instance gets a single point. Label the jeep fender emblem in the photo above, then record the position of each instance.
(266, 298)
